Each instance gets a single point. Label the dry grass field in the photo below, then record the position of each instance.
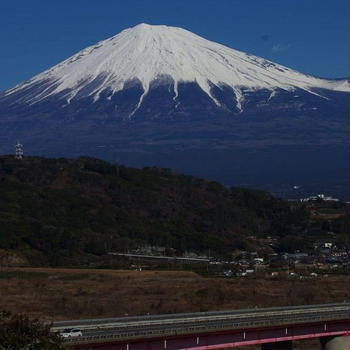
(59, 294)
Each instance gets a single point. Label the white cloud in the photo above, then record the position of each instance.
(276, 48)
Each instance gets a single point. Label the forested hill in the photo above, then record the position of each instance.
(60, 207)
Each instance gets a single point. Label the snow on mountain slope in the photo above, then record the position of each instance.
(147, 53)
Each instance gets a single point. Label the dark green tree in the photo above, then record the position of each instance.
(18, 332)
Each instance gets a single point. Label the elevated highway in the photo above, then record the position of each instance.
(214, 330)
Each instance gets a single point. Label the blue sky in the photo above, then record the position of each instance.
(312, 36)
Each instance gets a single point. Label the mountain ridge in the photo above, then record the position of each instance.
(149, 54)
(278, 136)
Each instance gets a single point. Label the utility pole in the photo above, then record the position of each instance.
(18, 151)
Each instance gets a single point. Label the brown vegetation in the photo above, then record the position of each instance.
(59, 294)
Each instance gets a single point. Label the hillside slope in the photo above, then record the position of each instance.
(59, 207)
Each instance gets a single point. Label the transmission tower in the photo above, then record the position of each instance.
(18, 151)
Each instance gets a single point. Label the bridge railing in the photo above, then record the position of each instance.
(65, 324)
(198, 317)
(171, 329)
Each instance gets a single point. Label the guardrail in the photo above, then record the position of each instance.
(170, 327)
(65, 324)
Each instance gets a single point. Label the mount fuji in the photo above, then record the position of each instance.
(159, 95)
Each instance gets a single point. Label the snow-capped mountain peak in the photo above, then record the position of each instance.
(149, 52)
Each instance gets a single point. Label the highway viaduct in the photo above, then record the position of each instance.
(272, 328)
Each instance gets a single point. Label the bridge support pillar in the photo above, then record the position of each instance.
(335, 343)
(281, 345)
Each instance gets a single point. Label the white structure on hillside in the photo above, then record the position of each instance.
(321, 197)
